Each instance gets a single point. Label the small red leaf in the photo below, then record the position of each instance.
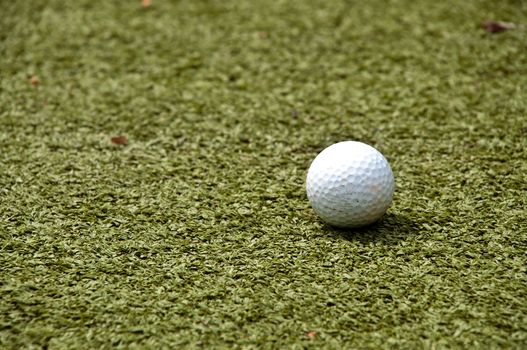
(497, 27)
(120, 140)
(311, 335)
(146, 3)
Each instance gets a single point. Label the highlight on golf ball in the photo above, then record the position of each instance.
(350, 184)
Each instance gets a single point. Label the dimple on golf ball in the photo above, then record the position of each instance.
(350, 184)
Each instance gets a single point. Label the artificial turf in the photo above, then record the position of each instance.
(197, 232)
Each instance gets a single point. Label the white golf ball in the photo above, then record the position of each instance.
(350, 184)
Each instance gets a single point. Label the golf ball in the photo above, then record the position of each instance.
(350, 184)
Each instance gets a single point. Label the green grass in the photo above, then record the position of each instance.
(198, 233)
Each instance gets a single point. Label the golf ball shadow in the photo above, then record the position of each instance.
(390, 229)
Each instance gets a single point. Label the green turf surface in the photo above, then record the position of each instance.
(198, 233)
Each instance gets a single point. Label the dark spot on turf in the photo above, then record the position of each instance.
(34, 80)
(119, 140)
(497, 27)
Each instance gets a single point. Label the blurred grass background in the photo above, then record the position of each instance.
(197, 233)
